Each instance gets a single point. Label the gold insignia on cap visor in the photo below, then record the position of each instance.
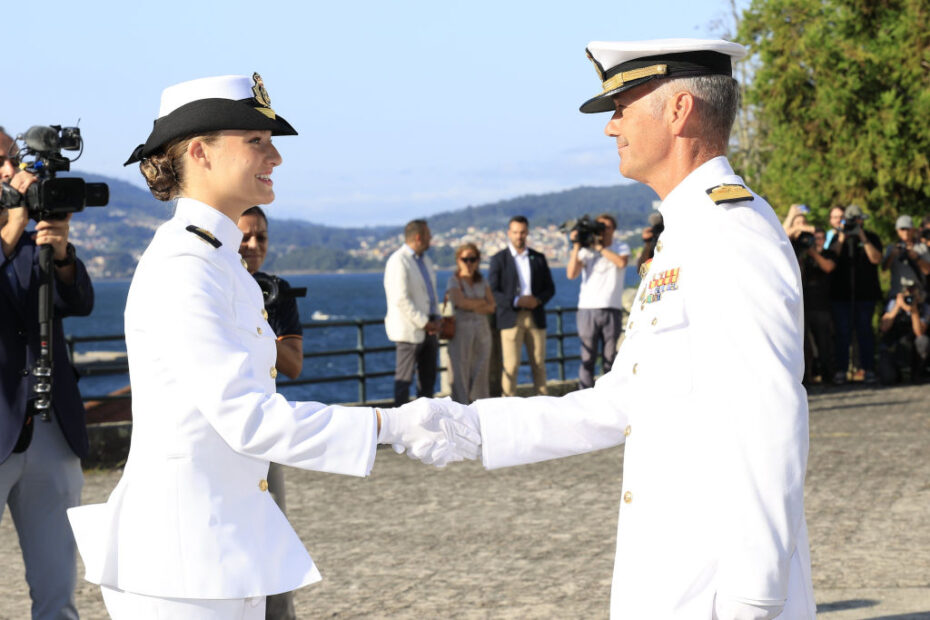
(628, 76)
(261, 96)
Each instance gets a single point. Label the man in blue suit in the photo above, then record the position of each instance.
(522, 284)
(40, 461)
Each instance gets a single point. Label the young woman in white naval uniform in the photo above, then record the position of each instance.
(190, 530)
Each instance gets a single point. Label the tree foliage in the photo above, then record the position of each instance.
(840, 98)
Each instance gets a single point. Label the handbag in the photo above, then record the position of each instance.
(446, 323)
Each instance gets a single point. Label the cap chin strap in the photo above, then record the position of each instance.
(628, 76)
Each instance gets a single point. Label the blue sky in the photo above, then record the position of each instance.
(404, 108)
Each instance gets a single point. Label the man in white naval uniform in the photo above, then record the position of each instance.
(705, 392)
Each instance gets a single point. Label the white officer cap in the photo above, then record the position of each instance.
(621, 65)
(212, 104)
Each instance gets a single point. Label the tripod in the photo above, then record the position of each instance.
(42, 370)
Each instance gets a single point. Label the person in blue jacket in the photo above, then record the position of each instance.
(40, 459)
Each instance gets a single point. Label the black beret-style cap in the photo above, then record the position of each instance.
(212, 104)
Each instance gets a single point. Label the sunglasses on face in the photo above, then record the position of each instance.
(469, 259)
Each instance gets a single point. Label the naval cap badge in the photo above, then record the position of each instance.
(258, 90)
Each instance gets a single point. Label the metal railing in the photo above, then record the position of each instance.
(360, 351)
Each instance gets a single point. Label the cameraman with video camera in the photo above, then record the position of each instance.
(908, 259)
(601, 261)
(284, 319)
(855, 291)
(40, 449)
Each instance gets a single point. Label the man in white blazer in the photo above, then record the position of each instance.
(412, 319)
(705, 392)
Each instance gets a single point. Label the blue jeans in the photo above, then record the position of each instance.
(846, 316)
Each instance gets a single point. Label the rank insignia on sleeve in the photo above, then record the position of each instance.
(205, 235)
(722, 194)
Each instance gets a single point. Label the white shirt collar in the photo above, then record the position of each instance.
(213, 221)
(515, 254)
(702, 178)
(411, 251)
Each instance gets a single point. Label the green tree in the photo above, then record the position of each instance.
(840, 98)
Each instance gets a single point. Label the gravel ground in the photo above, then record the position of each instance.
(538, 541)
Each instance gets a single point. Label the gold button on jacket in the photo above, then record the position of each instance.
(628, 497)
(263, 485)
(627, 431)
(274, 372)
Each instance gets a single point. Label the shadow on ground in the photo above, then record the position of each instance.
(857, 603)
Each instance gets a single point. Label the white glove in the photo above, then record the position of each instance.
(436, 432)
(465, 425)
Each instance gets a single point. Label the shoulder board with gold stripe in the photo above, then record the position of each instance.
(729, 193)
(206, 236)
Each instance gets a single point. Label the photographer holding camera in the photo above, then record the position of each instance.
(854, 291)
(816, 264)
(40, 450)
(601, 261)
(903, 329)
(908, 259)
(650, 238)
(284, 319)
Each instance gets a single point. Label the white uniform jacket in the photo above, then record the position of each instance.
(191, 516)
(407, 296)
(706, 394)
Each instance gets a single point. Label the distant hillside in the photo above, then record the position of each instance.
(630, 204)
(112, 238)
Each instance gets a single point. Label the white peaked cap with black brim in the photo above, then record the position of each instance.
(621, 65)
(212, 104)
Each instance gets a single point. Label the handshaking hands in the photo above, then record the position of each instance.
(435, 431)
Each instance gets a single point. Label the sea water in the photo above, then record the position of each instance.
(330, 297)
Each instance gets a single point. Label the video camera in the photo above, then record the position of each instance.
(852, 226)
(51, 198)
(656, 225)
(805, 241)
(585, 230)
(272, 291)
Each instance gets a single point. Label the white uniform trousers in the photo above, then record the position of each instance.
(130, 606)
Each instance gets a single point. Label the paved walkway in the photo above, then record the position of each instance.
(538, 541)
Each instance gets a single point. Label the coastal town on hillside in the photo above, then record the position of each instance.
(550, 240)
